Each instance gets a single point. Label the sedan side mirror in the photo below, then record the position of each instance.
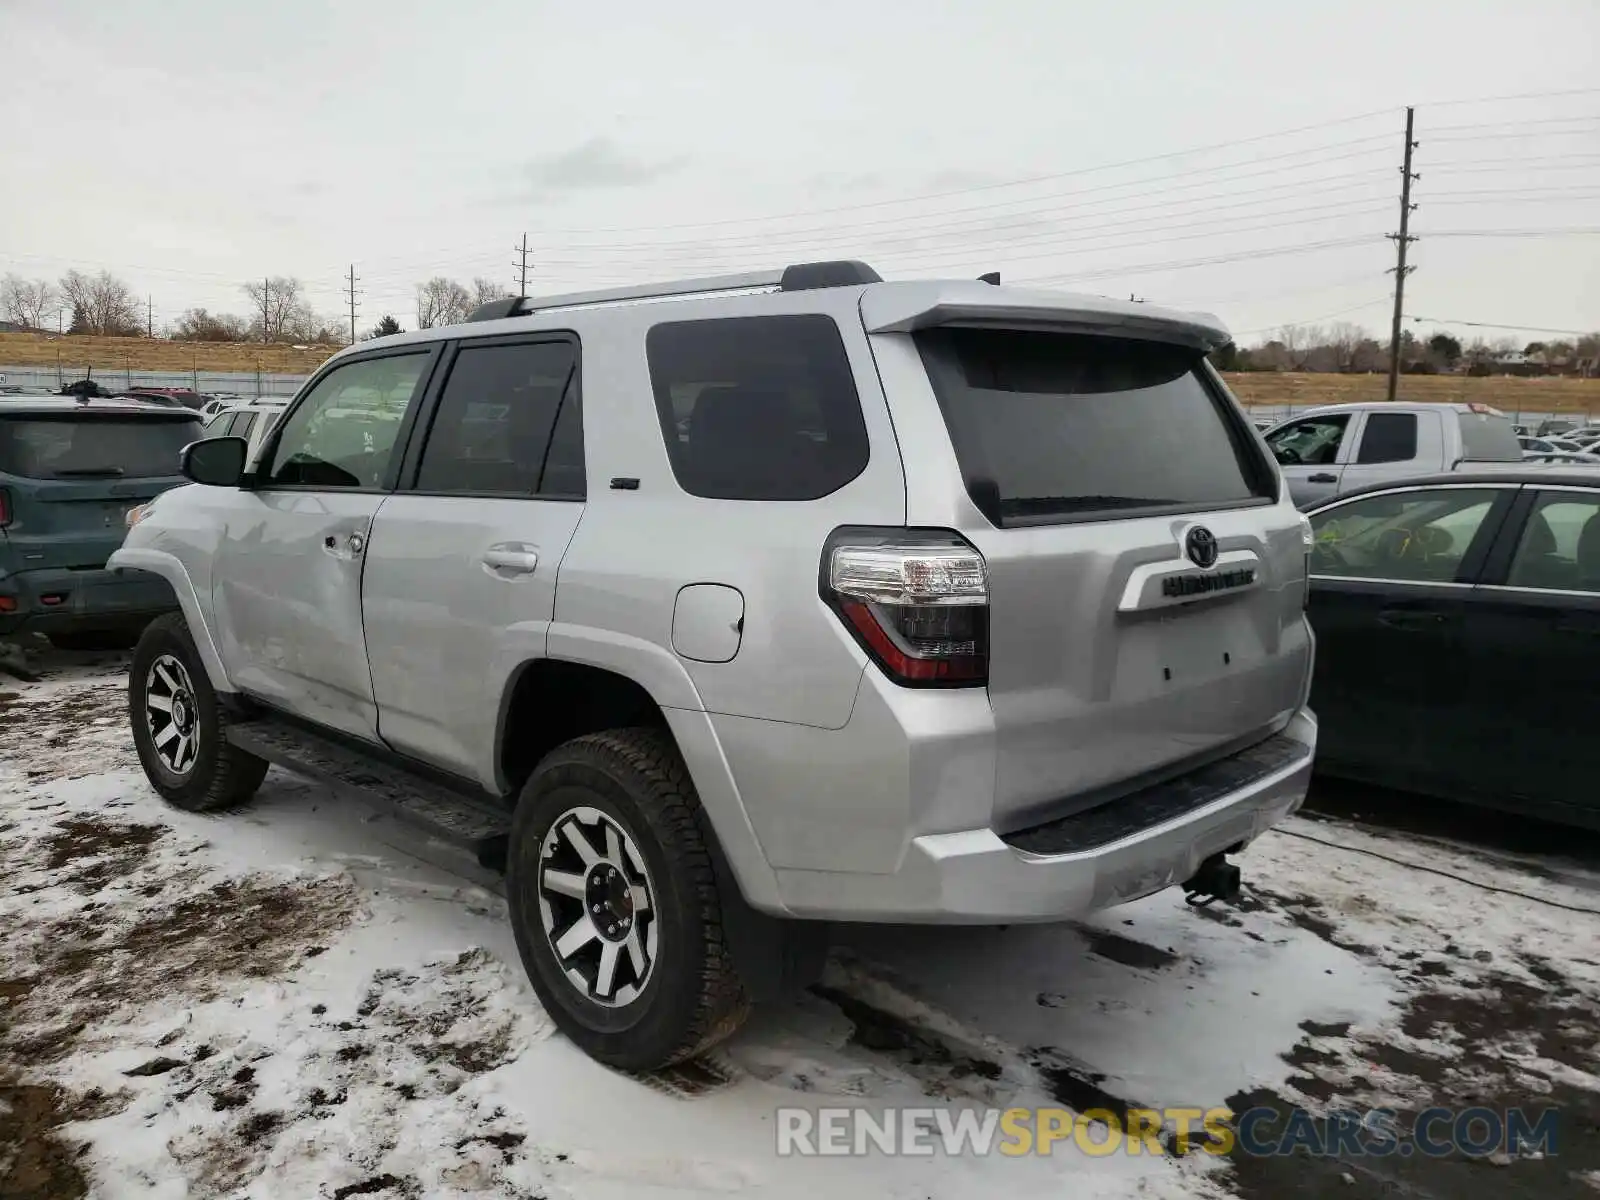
(216, 462)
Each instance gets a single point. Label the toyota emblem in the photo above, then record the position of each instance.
(1201, 546)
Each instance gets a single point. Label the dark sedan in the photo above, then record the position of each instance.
(1458, 638)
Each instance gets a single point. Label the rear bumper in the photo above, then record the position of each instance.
(55, 601)
(1129, 848)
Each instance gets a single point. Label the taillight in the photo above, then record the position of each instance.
(917, 602)
(5, 508)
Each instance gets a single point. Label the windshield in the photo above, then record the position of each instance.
(81, 445)
(1050, 426)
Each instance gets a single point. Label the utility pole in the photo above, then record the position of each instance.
(1401, 241)
(351, 294)
(522, 250)
(266, 303)
(149, 317)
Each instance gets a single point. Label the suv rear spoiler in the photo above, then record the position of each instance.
(906, 307)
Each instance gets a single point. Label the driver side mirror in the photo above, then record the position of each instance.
(215, 462)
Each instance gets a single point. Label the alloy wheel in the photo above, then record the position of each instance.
(171, 713)
(597, 906)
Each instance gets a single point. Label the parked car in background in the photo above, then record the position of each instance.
(253, 422)
(1458, 638)
(1329, 451)
(1554, 426)
(183, 396)
(69, 472)
(928, 601)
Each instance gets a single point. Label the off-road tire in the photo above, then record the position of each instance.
(222, 775)
(693, 997)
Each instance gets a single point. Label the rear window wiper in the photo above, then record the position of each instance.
(88, 472)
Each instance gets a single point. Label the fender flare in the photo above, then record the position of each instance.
(666, 681)
(171, 568)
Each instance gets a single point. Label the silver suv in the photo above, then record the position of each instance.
(717, 611)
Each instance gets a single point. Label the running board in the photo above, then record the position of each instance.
(463, 822)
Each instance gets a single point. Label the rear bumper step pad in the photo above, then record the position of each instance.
(1126, 815)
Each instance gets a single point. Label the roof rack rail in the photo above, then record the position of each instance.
(797, 277)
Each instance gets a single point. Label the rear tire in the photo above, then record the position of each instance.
(179, 726)
(614, 902)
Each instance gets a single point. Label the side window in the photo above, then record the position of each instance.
(1313, 442)
(503, 412)
(757, 408)
(1411, 537)
(242, 424)
(218, 425)
(1560, 545)
(1389, 437)
(343, 434)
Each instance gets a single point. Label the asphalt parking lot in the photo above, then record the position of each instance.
(300, 1000)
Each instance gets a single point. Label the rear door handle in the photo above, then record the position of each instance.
(1322, 478)
(513, 560)
(1413, 618)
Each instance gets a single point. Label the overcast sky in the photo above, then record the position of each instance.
(190, 144)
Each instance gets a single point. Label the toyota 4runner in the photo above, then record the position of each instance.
(717, 611)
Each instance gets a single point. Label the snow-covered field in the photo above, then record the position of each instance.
(298, 1001)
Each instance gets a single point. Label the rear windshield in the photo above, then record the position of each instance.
(83, 446)
(1487, 437)
(1051, 427)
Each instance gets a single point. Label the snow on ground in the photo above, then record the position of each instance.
(298, 1000)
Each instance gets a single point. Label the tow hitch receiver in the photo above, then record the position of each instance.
(1217, 879)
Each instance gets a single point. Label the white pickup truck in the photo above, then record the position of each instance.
(1329, 451)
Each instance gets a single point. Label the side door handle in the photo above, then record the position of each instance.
(1413, 618)
(511, 559)
(1323, 477)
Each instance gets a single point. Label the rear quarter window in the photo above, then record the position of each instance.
(1051, 427)
(757, 408)
(1487, 437)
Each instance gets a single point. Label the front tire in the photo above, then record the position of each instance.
(614, 902)
(179, 725)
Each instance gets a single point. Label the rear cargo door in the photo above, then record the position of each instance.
(71, 478)
(1146, 589)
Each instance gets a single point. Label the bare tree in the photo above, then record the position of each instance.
(278, 300)
(25, 301)
(198, 325)
(485, 290)
(101, 304)
(442, 301)
(1342, 340)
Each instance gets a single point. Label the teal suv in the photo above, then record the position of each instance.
(70, 470)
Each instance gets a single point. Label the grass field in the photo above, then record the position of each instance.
(108, 356)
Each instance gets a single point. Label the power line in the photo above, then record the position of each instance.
(1519, 96)
(1211, 260)
(1338, 312)
(1501, 325)
(1572, 231)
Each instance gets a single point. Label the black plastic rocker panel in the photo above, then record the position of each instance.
(472, 824)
